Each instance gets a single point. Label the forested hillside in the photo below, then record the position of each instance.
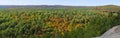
(63, 22)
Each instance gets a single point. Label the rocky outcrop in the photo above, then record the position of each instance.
(112, 33)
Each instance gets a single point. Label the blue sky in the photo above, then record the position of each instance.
(60, 2)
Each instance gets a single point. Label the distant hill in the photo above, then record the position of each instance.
(110, 5)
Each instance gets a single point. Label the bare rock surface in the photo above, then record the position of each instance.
(112, 33)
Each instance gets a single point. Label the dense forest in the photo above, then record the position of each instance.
(57, 21)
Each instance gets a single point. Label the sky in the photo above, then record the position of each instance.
(61, 2)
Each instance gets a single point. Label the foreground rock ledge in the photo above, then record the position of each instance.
(112, 33)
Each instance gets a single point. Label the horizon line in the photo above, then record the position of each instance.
(58, 5)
